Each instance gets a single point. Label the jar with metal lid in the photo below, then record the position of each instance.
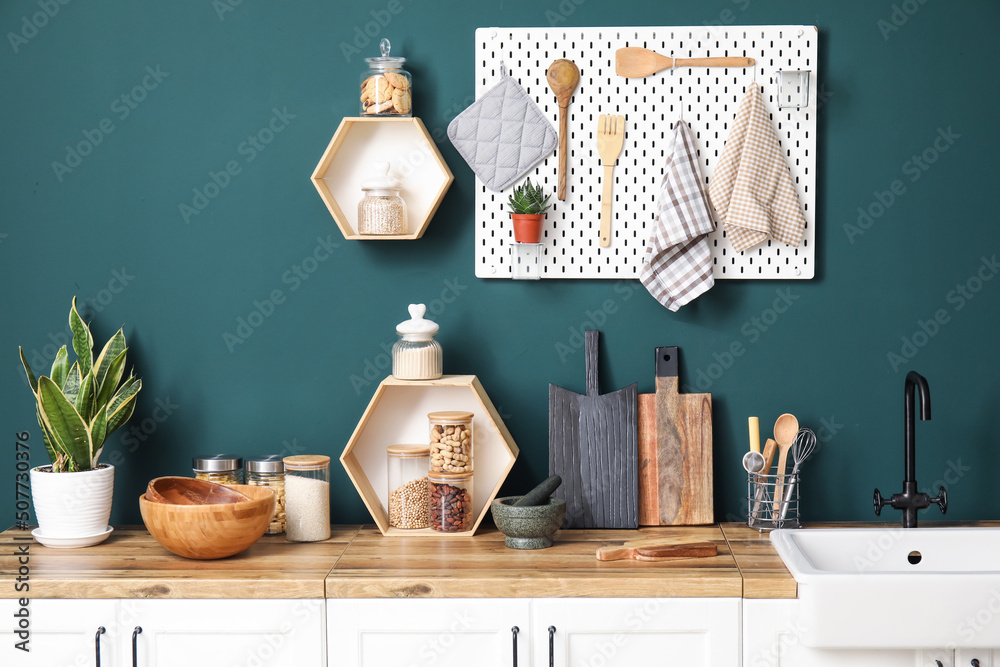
(416, 355)
(269, 471)
(408, 503)
(386, 86)
(451, 441)
(450, 498)
(307, 498)
(381, 212)
(219, 468)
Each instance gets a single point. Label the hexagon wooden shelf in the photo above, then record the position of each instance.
(414, 159)
(397, 414)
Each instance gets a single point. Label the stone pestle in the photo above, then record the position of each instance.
(540, 494)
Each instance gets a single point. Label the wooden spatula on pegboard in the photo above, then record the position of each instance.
(633, 61)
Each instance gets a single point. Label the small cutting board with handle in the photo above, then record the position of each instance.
(675, 451)
(592, 446)
(654, 552)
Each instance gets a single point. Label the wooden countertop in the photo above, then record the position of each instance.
(392, 567)
(130, 564)
(358, 562)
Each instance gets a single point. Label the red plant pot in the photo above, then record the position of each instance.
(527, 227)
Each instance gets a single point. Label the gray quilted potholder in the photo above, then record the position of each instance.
(502, 135)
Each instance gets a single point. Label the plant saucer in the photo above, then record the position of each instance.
(70, 542)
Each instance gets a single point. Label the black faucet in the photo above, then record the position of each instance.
(910, 500)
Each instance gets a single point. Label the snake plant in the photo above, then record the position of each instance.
(79, 406)
(528, 199)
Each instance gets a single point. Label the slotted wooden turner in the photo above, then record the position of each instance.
(610, 137)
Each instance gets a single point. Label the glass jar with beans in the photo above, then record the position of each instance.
(450, 501)
(408, 503)
(451, 441)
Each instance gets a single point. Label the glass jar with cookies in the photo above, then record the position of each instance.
(386, 86)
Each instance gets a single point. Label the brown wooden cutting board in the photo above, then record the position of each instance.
(675, 451)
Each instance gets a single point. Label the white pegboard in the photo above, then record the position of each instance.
(706, 98)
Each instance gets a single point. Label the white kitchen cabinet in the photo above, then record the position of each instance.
(592, 632)
(262, 633)
(60, 632)
(986, 658)
(772, 632)
(427, 632)
(624, 632)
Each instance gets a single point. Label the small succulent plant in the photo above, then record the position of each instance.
(79, 406)
(528, 199)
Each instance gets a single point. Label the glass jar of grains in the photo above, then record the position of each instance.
(416, 355)
(219, 468)
(450, 503)
(307, 498)
(408, 466)
(451, 441)
(385, 86)
(269, 471)
(381, 212)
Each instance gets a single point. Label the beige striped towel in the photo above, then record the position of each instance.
(677, 265)
(751, 188)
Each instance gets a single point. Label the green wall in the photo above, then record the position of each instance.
(109, 230)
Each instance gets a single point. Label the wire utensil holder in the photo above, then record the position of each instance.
(772, 501)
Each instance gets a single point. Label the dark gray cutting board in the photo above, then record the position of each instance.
(593, 446)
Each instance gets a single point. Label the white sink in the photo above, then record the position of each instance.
(894, 587)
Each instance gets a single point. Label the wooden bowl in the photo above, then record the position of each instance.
(210, 531)
(189, 491)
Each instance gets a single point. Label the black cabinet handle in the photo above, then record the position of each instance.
(975, 662)
(552, 646)
(97, 645)
(513, 631)
(135, 649)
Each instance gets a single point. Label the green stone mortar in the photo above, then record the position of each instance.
(529, 527)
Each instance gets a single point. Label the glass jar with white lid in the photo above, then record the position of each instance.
(416, 355)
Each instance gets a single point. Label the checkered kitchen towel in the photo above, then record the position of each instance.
(677, 266)
(751, 187)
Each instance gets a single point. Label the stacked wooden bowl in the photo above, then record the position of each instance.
(204, 520)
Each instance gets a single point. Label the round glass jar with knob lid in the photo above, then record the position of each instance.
(386, 87)
(416, 355)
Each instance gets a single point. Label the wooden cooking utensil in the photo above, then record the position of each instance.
(785, 429)
(563, 77)
(610, 137)
(633, 61)
(658, 552)
(769, 448)
(754, 425)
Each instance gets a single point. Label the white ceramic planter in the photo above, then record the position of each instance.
(72, 504)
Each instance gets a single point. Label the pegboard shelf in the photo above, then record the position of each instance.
(707, 98)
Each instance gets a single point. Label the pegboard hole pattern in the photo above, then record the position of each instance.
(706, 98)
